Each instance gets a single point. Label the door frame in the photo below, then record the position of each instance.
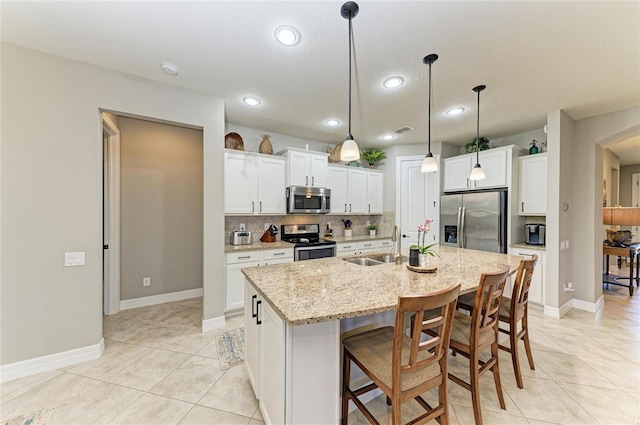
(112, 284)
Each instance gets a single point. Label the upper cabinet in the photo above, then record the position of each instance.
(495, 163)
(533, 184)
(254, 184)
(305, 168)
(355, 190)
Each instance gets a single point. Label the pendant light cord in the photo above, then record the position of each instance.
(350, 32)
(429, 125)
(478, 132)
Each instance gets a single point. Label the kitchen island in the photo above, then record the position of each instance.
(296, 315)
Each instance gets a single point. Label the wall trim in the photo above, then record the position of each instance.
(213, 323)
(161, 298)
(558, 312)
(30, 367)
(587, 306)
(574, 303)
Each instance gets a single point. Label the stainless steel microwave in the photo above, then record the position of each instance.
(308, 200)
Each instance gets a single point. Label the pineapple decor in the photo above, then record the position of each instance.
(265, 145)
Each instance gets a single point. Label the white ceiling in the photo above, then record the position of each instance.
(534, 57)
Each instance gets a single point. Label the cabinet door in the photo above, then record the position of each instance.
(234, 297)
(239, 184)
(251, 340)
(374, 192)
(456, 173)
(319, 165)
(536, 291)
(344, 249)
(298, 168)
(494, 164)
(365, 247)
(337, 181)
(357, 191)
(272, 342)
(533, 185)
(271, 186)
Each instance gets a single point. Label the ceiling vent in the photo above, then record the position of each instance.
(403, 129)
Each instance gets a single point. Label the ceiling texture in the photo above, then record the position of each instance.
(534, 57)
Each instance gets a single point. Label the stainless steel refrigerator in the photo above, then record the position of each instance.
(475, 220)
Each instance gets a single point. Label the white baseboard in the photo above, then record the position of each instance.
(161, 298)
(212, 324)
(29, 367)
(587, 306)
(558, 312)
(574, 303)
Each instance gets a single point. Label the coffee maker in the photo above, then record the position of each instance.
(534, 234)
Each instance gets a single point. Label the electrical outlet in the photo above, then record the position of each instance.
(566, 244)
(563, 246)
(146, 281)
(242, 227)
(568, 287)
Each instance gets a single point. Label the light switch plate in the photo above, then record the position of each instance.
(73, 259)
(563, 246)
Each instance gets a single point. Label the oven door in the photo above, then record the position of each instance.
(312, 252)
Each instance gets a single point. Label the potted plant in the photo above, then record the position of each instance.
(372, 229)
(373, 156)
(419, 254)
(482, 143)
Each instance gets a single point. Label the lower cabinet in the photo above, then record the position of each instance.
(354, 248)
(235, 296)
(536, 291)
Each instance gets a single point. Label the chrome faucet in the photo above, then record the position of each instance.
(396, 248)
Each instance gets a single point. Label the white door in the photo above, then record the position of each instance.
(635, 202)
(374, 192)
(418, 197)
(318, 165)
(239, 184)
(357, 191)
(494, 164)
(456, 172)
(299, 167)
(337, 180)
(271, 186)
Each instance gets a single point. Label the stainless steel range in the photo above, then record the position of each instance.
(308, 244)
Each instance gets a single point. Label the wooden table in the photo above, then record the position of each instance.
(632, 251)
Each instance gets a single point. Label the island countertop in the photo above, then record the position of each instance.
(327, 289)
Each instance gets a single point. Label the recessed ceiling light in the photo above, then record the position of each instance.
(455, 111)
(388, 137)
(251, 101)
(287, 35)
(393, 82)
(169, 68)
(332, 122)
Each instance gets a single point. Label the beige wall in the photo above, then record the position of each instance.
(626, 175)
(51, 176)
(160, 208)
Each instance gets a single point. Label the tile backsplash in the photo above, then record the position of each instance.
(255, 223)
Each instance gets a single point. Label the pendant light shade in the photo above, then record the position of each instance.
(429, 164)
(478, 173)
(350, 150)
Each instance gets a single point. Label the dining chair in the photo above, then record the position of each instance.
(402, 366)
(513, 311)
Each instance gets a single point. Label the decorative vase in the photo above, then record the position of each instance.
(424, 260)
(414, 261)
(372, 233)
(265, 145)
(348, 233)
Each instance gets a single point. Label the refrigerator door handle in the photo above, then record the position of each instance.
(464, 230)
(459, 235)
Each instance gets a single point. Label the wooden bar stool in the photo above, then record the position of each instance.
(472, 335)
(512, 311)
(402, 366)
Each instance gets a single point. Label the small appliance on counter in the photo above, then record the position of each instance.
(241, 238)
(534, 234)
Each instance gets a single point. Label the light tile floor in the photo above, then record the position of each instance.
(158, 368)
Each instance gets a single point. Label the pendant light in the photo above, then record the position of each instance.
(477, 173)
(350, 150)
(429, 164)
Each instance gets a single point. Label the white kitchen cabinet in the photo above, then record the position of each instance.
(536, 291)
(344, 249)
(254, 184)
(495, 164)
(272, 354)
(355, 190)
(337, 181)
(251, 337)
(532, 184)
(235, 296)
(376, 245)
(305, 168)
(374, 192)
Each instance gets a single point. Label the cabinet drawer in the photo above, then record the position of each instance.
(385, 243)
(368, 245)
(342, 247)
(276, 254)
(243, 257)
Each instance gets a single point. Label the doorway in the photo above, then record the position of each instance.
(417, 198)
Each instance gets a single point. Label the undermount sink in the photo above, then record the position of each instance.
(374, 260)
(364, 261)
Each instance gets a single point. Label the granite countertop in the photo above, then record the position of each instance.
(330, 288)
(257, 246)
(527, 246)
